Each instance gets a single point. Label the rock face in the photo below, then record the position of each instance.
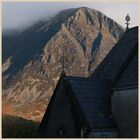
(76, 39)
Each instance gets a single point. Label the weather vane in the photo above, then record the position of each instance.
(127, 18)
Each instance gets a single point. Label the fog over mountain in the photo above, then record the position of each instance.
(22, 15)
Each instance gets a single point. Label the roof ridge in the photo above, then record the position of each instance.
(125, 64)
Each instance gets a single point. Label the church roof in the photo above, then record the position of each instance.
(129, 77)
(94, 98)
(93, 94)
(118, 58)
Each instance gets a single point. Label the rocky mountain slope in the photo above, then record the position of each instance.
(78, 38)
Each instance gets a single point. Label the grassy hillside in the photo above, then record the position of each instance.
(15, 127)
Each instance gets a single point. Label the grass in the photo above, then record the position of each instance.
(15, 127)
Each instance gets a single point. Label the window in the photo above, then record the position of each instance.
(84, 132)
(61, 132)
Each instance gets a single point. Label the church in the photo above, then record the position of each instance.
(103, 105)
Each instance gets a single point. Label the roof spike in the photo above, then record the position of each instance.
(127, 18)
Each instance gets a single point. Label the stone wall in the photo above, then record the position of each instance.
(125, 112)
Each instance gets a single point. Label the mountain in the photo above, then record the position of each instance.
(75, 39)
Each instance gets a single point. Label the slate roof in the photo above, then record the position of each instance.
(119, 57)
(94, 98)
(129, 76)
(93, 94)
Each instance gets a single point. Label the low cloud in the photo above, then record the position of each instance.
(22, 15)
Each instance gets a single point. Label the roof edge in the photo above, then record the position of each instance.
(125, 88)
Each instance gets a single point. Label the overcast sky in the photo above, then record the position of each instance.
(19, 15)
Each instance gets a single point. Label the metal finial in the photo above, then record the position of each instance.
(127, 18)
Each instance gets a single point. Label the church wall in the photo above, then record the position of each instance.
(125, 112)
(60, 116)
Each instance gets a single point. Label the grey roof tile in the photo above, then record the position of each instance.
(94, 98)
(129, 77)
(117, 57)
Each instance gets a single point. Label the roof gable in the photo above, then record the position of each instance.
(94, 98)
(118, 56)
(129, 77)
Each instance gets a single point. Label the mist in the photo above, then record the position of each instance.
(19, 16)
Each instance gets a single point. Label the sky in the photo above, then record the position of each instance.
(23, 14)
